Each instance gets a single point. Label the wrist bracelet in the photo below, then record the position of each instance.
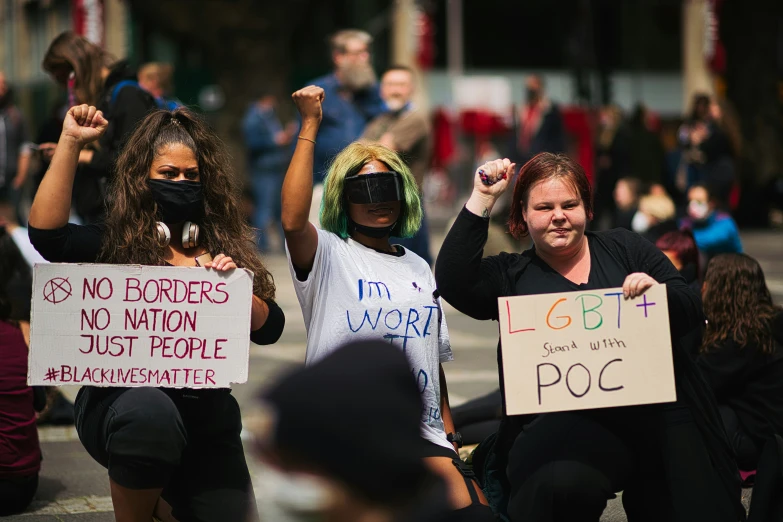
(307, 139)
(455, 438)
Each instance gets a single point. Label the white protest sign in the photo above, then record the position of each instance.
(586, 349)
(130, 325)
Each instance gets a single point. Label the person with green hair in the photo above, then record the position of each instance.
(354, 285)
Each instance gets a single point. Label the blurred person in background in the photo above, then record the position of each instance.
(405, 129)
(158, 79)
(647, 157)
(626, 199)
(715, 230)
(94, 77)
(317, 432)
(721, 147)
(20, 452)
(709, 140)
(612, 161)
(655, 217)
(680, 247)
(58, 410)
(18, 233)
(48, 134)
(352, 100)
(538, 126)
(266, 142)
(14, 147)
(742, 354)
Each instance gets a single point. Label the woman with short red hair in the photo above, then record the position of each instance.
(670, 460)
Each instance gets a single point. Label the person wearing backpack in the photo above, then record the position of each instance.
(96, 78)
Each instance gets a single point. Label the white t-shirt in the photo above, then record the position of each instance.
(356, 293)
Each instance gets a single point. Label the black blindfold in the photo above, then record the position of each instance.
(376, 187)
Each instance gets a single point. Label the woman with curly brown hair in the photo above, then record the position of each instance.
(742, 353)
(174, 201)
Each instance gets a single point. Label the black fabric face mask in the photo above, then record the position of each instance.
(178, 201)
(375, 187)
(374, 232)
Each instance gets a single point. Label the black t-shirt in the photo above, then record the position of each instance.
(82, 244)
(605, 272)
(472, 284)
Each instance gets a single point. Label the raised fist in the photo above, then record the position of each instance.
(84, 124)
(492, 177)
(308, 101)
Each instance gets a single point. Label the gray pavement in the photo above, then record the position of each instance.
(74, 488)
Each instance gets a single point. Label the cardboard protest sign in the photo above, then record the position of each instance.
(129, 325)
(583, 350)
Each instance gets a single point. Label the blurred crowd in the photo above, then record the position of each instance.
(675, 187)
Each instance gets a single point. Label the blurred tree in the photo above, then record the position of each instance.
(750, 31)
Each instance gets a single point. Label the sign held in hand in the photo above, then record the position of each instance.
(130, 325)
(584, 350)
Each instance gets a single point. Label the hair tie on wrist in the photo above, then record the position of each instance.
(307, 139)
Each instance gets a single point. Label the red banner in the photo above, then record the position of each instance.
(88, 19)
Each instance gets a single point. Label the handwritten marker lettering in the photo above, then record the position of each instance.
(399, 319)
(552, 383)
(131, 325)
(600, 350)
(365, 318)
(619, 304)
(592, 310)
(375, 289)
(508, 311)
(601, 377)
(96, 320)
(566, 317)
(568, 380)
(102, 288)
(644, 304)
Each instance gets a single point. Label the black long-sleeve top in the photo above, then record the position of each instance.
(472, 285)
(750, 382)
(82, 244)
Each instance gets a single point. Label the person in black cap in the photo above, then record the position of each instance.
(339, 441)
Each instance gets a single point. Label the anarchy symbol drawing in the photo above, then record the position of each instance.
(57, 290)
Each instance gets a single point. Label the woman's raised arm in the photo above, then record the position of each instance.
(52, 205)
(465, 280)
(300, 235)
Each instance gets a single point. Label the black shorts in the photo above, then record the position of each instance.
(184, 441)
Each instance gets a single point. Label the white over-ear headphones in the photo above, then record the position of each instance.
(190, 234)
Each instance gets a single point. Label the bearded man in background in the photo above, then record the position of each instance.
(352, 99)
